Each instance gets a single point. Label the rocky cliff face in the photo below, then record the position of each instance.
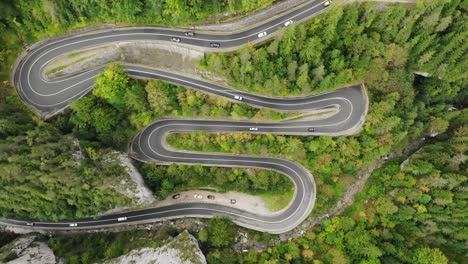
(182, 249)
(27, 250)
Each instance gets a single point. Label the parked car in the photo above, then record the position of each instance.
(215, 44)
(175, 39)
(211, 197)
(238, 97)
(120, 219)
(189, 34)
(253, 129)
(261, 35)
(311, 129)
(73, 224)
(288, 23)
(198, 196)
(233, 201)
(176, 196)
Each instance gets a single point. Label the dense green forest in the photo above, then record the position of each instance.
(356, 43)
(402, 112)
(42, 174)
(404, 106)
(409, 212)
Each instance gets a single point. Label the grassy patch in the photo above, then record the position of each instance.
(75, 54)
(277, 201)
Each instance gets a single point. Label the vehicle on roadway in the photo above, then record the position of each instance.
(189, 34)
(176, 196)
(30, 224)
(238, 97)
(253, 129)
(198, 196)
(233, 201)
(288, 23)
(211, 197)
(327, 3)
(215, 44)
(120, 219)
(73, 224)
(175, 39)
(311, 129)
(261, 35)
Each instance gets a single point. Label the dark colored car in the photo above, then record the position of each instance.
(311, 129)
(211, 197)
(189, 34)
(215, 44)
(175, 196)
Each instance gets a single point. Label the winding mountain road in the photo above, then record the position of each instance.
(49, 97)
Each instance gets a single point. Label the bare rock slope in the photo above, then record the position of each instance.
(27, 250)
(181, 250)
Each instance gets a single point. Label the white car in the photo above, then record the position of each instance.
(327, 3)
(253, 129)
(73, 224)
(198, 196)
(120, 219)
(238, 97)
(175, 39)
(30, 224)
(261, 35)
(288, 23)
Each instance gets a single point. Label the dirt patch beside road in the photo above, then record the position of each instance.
(153, 54)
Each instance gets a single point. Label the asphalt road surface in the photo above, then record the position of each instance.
(48, 98)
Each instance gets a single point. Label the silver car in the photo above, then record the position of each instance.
(261, 35)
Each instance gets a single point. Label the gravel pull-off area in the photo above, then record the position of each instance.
(244, 201)
(181, 250)
(30, 251)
